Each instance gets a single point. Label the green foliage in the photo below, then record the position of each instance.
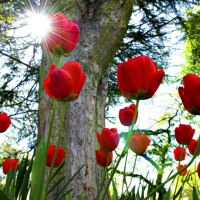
(192, 48)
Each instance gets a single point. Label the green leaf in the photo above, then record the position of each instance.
(167, 195)
(151, 161)
(69, 197)
(3, 196)
(115, 195)
(195, 194)
(38, 172)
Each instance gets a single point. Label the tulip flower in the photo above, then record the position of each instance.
(192, 146)
(179, 167)
(179, 153)
(59, 157)
(198, 169)
(63, 35)
(138, 143)
(184, 133)
(65, 83)
(190, 93)
(139, 78)
(103, 158)
(108, 139)
(4, 122)
(10, 164)
(126, 115)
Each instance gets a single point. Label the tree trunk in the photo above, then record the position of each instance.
(103, 24)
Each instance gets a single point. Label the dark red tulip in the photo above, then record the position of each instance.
(139, 78)
(198, 169)
(126, 115)
(179, 167)
(63, 35)
(50, 155)
(190, 93)
(192, 146)
(8, 164)
(138, 143)
(179, 153)
(184, 133)
(103, 158)
(4, 122)
(108, 139)
(65, 83)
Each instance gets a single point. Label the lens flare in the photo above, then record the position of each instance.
(38, 24)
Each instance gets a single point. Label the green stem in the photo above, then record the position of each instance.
(124, 178)
(132, 172)
(57, 145)
(123, 152)
(177, 173)
(103, 180)
(51, 122)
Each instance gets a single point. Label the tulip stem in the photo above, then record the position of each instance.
(124, 151)
(51, 122)
(177, 173)
(57, 145)
(124, 178)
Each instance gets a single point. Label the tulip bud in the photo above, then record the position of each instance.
(4, 122)
(108, 139)
(138, 143)
(8, 164)
(103, 158)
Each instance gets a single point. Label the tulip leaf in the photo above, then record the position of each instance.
(195, 194)
(38, 172)
(3, 196)
(151, 161)
(115, 193)
(167, 195)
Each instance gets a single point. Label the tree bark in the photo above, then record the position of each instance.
(103, 24)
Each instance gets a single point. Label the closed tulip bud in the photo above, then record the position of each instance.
(192, 146)
(184, 134)
(10, 164)
(108, 139)
(4, 122)
(63, 35)
(179, 153)
(59, 157)
(179, 167)
(103, 158)
(138, 143)
(126, 115)
(65, 83)
(190, 93)
(139, 78)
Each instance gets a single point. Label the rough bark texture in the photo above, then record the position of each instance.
(103, 25)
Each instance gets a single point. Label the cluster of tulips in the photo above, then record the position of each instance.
(137, 78)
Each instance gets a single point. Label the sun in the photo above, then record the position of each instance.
(38, 24)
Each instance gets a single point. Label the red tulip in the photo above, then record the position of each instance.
(103, 158)
(190, 93)
(126, 115)
(198, 170)
(139, 78)
(50, 155)
(138, 143)
(4, 122)
(184, 133)
(65, 83)
(108, 139)
(8, 164)
(179, 167)
(63, 35)
(192, 146)
(179, 153)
